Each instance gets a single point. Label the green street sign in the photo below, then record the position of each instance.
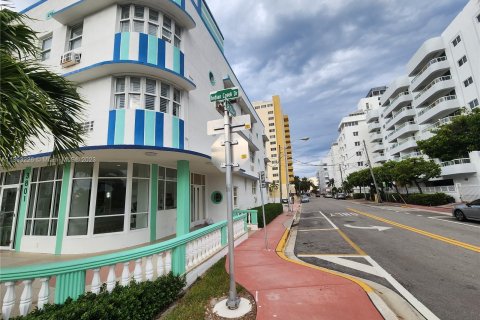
(230, 109)
(225, 94)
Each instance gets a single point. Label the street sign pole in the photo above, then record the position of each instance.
(233, 301)
(262, 186)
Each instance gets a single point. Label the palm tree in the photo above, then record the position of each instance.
(35, 103)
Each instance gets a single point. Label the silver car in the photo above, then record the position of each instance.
(467, 211)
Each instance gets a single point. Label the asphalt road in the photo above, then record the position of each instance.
(430, 259)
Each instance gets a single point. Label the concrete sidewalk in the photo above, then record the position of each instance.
(444, 209)
(284, 289)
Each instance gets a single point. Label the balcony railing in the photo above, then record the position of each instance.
(400, 127)
(150, 262)
(401, 94)
(437, 102)
(439, 59)
(438, 123)
(411, 155)
(395, 114)
(455, 162)
(401, 142)
(431, 84)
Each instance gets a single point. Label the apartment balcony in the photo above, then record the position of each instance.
(431, 70)
(402, 99)
(411, 155)
(374, 126)
(400, 116)
(437, 88)
(407, 128)
(381, 158)
(429, 49)
(427, 131)
(372, 115)
(400, 84)
(378, 147)
(403, 146)
(376, 136)
(457, 166)
(438, 109)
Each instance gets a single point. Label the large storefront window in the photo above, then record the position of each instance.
(167, 188)
(80, 199)
(111, 192)
(42, 215)
(145, 93)
(135, 18)
(140, 196)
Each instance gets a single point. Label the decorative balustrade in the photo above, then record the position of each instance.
(75, 277)
(252, 217)
(433, 61)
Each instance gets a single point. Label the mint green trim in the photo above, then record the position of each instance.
(62, 207)
(119, 126)
(175, 132)
(71, 284)
(149, 128)
(152, 53)
(183, 197)
(31, 271)
(224, 235)
(176, 59)
(124, 45)
(22, 211)
(153, 202)
(178, 260)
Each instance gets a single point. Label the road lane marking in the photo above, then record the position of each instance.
(345, 255)
(309, 218)
(422, 232)
(462, 223)
(347, 263)
(378, 228)
(330, 221)
(404, 292)
(328, 229)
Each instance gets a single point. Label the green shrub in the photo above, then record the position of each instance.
(358, 196)
(272, 210)
(423, 199)
(144, 300)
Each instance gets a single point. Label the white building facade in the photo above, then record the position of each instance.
(148, 170)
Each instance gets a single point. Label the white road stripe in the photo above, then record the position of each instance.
(462, 223)
(330, 221)
(404, 292)
(327, 229)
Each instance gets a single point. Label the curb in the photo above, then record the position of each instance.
(377, 301)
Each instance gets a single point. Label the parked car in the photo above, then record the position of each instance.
(341, 195)
(317, 194)
(305, 199)
(285, 201)
(467, 211)
(328, 195)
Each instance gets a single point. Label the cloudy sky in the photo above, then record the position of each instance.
(322, 56)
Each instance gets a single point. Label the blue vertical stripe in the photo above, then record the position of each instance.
(159, 129)
(181, 134)
(116, 47)
(182, 66)
(161, 53)
(143, 48)
(139, 127)
(111, 128)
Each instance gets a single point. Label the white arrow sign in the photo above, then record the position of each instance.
(379, 228)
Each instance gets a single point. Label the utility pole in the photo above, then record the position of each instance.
(287, 182)
(371, 172)
(341, 173)
(263, 185)
(280, 172)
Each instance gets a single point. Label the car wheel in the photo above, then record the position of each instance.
(459, 215)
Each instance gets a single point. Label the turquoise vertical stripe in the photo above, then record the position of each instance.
(175, 132)
(125, 46)
(62, 210)
(176, 60)
(152, 54)
(22, 211)
(119, 127)
(149, 128)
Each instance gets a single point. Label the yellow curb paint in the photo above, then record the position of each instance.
(424, 233)
(350, 242)
(280, 251)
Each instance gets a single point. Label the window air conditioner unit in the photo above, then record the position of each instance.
(70, 58)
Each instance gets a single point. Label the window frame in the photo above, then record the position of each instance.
(43, 50)
(72, 39)
(467, 82)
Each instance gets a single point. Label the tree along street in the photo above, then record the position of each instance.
(430, 259)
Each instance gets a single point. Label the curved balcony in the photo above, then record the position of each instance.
(376, 136)
(430, 48)
(82, 8)
(398, 85)
(411, 155)
(406, 128)
(374, 126)
(401, 100)
(438, 109)
(378, 147)
(372, 115)
(400, 115)
(457, 166)
(438, 87)
(433, 68)
(427, 131)
(381, 158)
(402, 146)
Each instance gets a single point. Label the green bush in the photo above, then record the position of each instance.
(435, 199)
(272, 210)
(144, 300)
(358, 196)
